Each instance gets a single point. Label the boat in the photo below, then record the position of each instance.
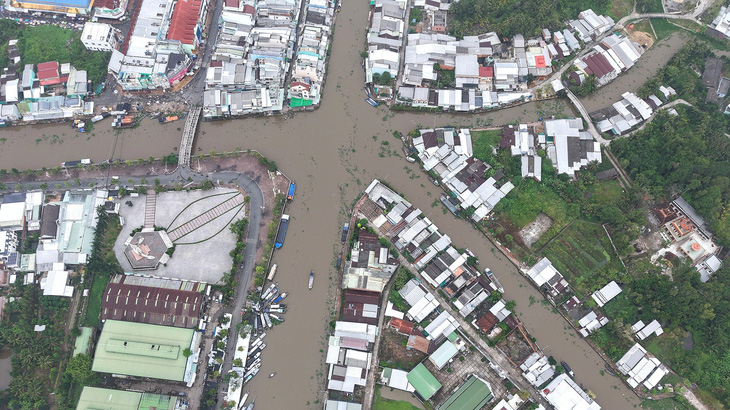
(168, 118)
(278, 306)
(268, 320)
(74, 164)
(279, 318)
(368, 92)
(281, 234)
(292, 190)
(311, 280)
(282, 296)
(272, 272)
(250, 406)
(494, 279)
(371, 102)
(339, 261)
(269, 290)
(567, 369)
(344, 232)
(272, 375)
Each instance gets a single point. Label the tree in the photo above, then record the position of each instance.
(207, 185)
(187, 352)
(386, 78)
(79, 368)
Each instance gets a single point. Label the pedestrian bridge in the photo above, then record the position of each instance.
(186, 144)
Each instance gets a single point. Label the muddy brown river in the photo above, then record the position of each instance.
(332, 154)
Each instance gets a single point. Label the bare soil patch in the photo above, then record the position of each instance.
(531, 232)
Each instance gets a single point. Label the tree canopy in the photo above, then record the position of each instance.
(509, 17)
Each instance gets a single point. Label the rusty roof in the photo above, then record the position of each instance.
(153, 305)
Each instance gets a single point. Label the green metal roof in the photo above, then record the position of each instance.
(300, 102)
(423, 381)
(473, 394)
(82, 341)
(94, 398)
(453, 336)
(151, 350)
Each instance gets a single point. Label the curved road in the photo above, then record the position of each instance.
(255, 216)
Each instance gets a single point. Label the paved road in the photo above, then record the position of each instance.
(255, 216)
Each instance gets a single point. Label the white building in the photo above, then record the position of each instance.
(99, 36)
(564, 394)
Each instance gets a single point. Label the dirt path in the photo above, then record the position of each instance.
(694, 401)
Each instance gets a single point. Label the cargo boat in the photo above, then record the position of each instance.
(371, 102)
(311, 280)
(272, 272)
(344, 232)
(169, 118)
(281, 234)
(567, 369)
(73, 164)
(292, 190)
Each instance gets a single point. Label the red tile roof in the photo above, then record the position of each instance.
(49, 65)
(401, 326)
(419, 343)
(184, 19)
(249, 9)
(232, 3)
(540, 61)
(486, 71)
(487, 322)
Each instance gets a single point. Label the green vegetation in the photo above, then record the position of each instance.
(684, 154)
(483, 143)
(649, 6)
(508, 17)
(583, 254)
(37, 356)
(38, 44)
(671, 403)
(238, 228)
(102, 263)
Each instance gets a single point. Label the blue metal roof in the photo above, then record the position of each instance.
(84, 4)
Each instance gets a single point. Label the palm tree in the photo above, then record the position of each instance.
(45, 362)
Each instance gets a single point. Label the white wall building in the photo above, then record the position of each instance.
(99, 36)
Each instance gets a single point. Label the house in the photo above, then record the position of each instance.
(708, 266)
(396, 379)
(642, 332)
(544, 274)
(401, 326)
(443, 325)
(443, 354)
(473, 394)
(370, 265)
(186, 24)
(641, 367)
(12, 213)
(564, 394)
(342, 405)
(605, 294)
(49, 73)
(360, 306)
(573, 148)
(720, 26)
(591, 322)
(8, 244)
(99, 36)
(537, 370)
(424, 383)
(55, 284)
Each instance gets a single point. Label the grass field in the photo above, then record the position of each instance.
(93, 312)
(607, 192)
(671, 403)
(663, 28)
(483, 141)
(620, 8)
(584, 256)
(382, 403)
